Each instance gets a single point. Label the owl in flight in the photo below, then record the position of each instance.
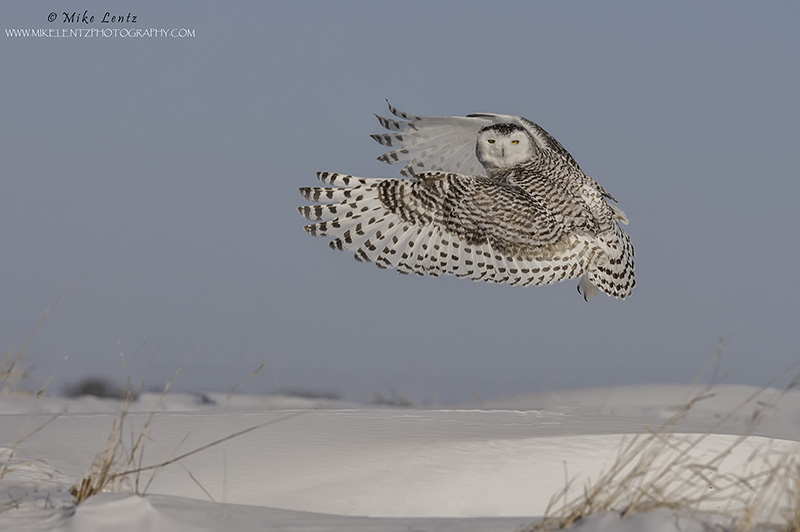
(490, 197)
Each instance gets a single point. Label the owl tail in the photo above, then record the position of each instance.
(612, 271)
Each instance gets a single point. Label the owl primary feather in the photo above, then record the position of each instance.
(490, 197)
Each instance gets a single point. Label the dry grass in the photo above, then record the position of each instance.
(12, 375)
(12, 370)
(776, 502)
(108, 471)
(119, 465)
(656, 469)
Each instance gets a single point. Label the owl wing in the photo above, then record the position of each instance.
(445, 223)
(447, 143)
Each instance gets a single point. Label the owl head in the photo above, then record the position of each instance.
(503, 146)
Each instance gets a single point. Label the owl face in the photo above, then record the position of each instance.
(503, 146)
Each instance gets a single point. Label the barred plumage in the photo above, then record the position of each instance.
(500, 200)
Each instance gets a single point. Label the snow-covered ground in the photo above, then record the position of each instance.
(330, 465)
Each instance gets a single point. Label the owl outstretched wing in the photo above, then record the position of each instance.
(447, 143)
(441, 222)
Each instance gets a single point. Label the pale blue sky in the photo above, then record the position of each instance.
(155, 182)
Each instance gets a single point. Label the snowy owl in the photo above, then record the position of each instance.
(491, 197)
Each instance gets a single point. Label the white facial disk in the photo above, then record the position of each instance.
(503, 146)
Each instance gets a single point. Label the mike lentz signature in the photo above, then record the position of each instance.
(86, 18)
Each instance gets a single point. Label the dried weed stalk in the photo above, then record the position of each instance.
(119, 464)
(656, 469)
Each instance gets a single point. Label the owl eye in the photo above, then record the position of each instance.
(490, 141)
(514, 142)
